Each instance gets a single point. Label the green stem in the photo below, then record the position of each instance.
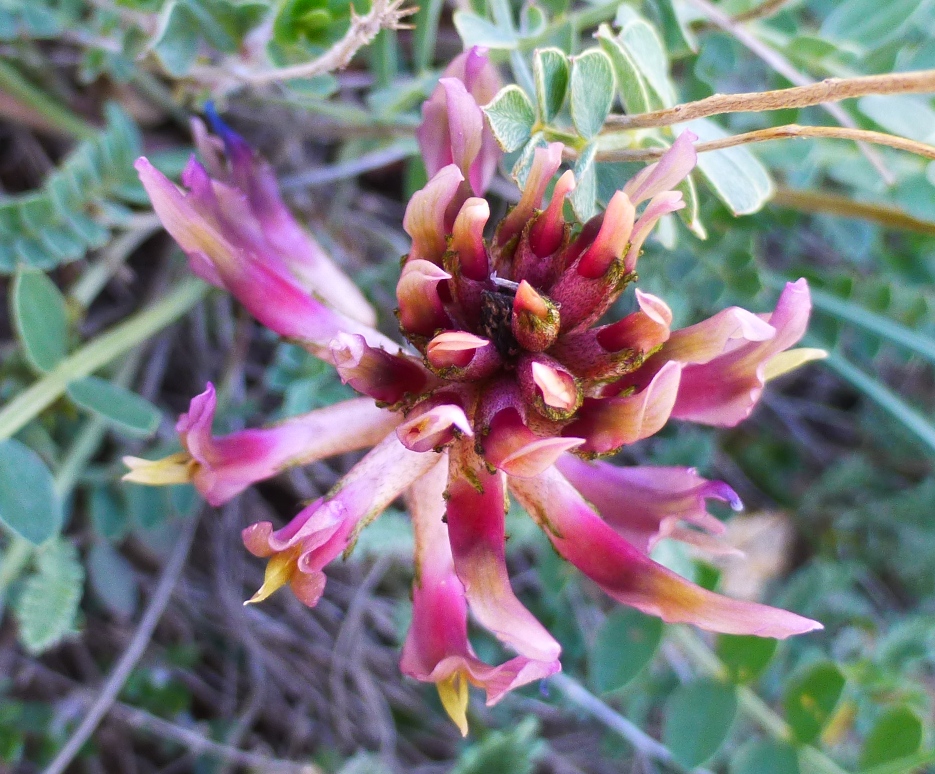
(58, 117)
(749, 703)
(102, 350)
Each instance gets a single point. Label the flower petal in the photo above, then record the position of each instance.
(476, 528)
(587, 541)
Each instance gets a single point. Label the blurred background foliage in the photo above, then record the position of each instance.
(125, 601)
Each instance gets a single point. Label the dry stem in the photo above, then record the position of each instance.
(763, 10)
(886, 215)
(777, 133)
(829, 90)
(363, 29)
(784, 67)
(385, 14)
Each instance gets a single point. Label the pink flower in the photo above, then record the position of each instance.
(221, 468)
(453, 129)
(507, 385)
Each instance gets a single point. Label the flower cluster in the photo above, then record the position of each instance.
(508, 386)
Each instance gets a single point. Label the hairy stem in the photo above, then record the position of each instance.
(828, 90)
(789, 131)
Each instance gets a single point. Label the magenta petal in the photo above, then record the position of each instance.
(724, 390)
(644, 504)
(630, 577)
(226, 465)
(665, 174)
(476, 528)
(437, 645)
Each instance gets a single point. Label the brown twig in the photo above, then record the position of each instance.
(118, 676)
(784, 67)
(776, 133)
(829, 90)
(834, 204)
(385, 14)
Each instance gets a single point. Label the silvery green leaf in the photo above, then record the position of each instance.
(583, 198)
(551, 72)
(477, 31)
(634, 93)
(642, 42)
(592, 91)
(511, 117)
(735, 174)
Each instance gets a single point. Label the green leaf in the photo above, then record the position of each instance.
(29, 504)
(176, 41)
(477, 31)
(109, 515)
(901, 114)
(810, 698)
(625, 644)
(641, 41)
(511, 117)
(503, 752)
(868, 21)
(896, 734)
(764, 756)
(47, 608)
(737, 177)
(126, 410)
(745, 656)
(592, 91)
(551, 72)
(698, 717)
(689, 214)
(112, 579)
(634, 93)
(583, 198)
(40, 318)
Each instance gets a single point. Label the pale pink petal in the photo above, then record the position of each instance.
(665, 174)
(641, 503)
(476, 528)
(629, 576)
(609, 423)
(226, 465)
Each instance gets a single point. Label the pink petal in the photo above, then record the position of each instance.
(476, 529)
(227, 465)
(665, 174)
(644, 503)
(609, 423)
(584, 539)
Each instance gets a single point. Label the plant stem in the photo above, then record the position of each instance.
(102, 350)
(885, 215)
(642, 742)
(58, 118)
(785, 68)
(829, 90)
(749, 703)
(786, 132)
